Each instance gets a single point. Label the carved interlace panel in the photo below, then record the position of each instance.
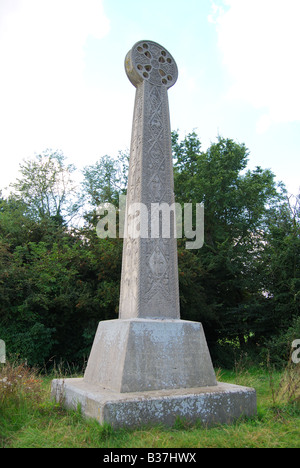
(149, 285)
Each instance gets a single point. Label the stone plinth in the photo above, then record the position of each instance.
(221, 403)
(139, 355)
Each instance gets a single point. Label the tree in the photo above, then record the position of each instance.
(281, 258)
(56, 284)
(229, 283)
(105, 180)
(46, 187)
(103, 183)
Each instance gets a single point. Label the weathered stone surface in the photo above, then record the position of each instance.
(221, 403)
(149, 283)
(141, 354)
(149, 366)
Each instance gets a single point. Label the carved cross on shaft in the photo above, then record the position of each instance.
(149, 282)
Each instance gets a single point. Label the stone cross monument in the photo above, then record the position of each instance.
(149, 366)
(149, 285)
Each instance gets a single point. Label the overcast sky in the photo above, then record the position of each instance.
(63, 84)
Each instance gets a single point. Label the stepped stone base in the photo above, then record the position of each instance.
(145, 371)
(221, 403)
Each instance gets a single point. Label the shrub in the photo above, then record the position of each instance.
(279, 347)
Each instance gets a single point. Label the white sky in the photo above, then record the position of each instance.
(63, 85)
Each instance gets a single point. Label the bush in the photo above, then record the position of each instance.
(31, 345)
(279, 347)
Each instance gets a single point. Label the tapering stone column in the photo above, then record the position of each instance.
(149, 284)
(149, 366)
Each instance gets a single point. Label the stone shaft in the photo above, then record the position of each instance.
(149, 284)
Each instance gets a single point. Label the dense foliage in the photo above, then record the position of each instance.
(244, 284)
(58, 279)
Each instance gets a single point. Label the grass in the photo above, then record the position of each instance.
(29, 419)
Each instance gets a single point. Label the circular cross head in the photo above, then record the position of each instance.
(149, 61)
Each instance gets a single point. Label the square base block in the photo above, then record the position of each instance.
(138, 355)
(221, 403)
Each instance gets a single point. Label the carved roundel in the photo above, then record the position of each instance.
(149, 61)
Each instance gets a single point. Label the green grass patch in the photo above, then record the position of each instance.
(30, 419)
